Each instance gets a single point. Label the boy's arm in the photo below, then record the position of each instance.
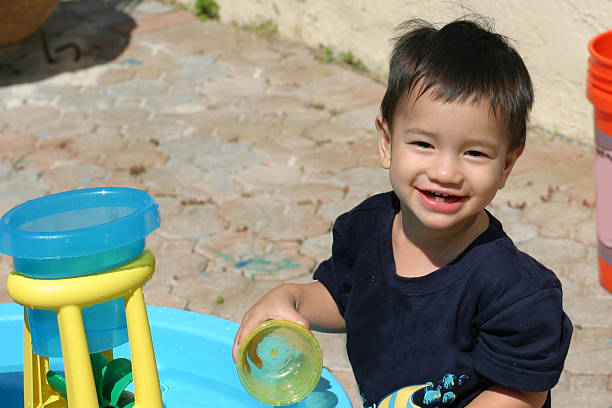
(501, 397)
(310, 305)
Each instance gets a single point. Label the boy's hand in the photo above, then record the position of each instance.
(279, 303)
(308, 304)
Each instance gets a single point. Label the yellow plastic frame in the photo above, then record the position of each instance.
(68, 297)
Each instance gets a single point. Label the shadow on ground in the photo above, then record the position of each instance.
(79, 34)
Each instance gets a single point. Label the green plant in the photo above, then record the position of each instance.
(111, 379)
(265, 28)
(348, 58)
(324, 54)
(206, 9)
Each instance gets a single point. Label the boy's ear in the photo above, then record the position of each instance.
(511, 158)
(384, 142)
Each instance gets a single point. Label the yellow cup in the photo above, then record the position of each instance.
(279, 362)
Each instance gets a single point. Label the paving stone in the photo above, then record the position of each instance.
(362, 118)
(168, 206)
(212, 154)
(582, 391)
(329, 158)
(363, 182)
(197, 69)
(138, 89)
(343, 91)
(119, 178)
(530, 187)
(62, 129)
(203, 293)
(119, 117)
(194, 222)
(590, 352)
(546, 216)
(514, 224)
(167, 180)
(161, 21)
(49, 92)
(590, 312)
(366, 149)
(231, 91)
(246, 253)
(333, 346)
(571, 289)
(117, 74)
(15, 145)
(586, 233)
(17, 186)
(95, 146)
(332, 210)
(171, 262)
(318, 248)
(6, 267)
(158, 129)
(297, 123)
(135, 158)
(597, 292)
(279, 105)
(73, 175)
(237, 302)
(543, 149)
(46, 157)
(584, 273)
(175, 103)
(90, 99)
(554, 252)
(217, 186)
(197, 38)
(347, 379)
(262, 179)
(311, 193)
(20, 118)
(334, 132)
(273, 218)
(297, 70)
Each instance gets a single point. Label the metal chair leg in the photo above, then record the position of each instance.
(49, 55)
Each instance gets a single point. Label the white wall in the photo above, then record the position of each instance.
(551, 35)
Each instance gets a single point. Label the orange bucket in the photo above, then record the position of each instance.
(599, 92)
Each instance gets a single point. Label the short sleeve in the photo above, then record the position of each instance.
(524, 345)
(335, 272)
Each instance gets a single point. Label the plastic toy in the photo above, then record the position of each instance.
(599, 92)
(66, 248)
(279, 362)
(80, 267)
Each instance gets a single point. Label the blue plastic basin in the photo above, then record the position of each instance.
(194, 360)
(78, 233)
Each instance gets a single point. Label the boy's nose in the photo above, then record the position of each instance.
(445, 170)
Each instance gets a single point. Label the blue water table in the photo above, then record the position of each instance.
(80, 266)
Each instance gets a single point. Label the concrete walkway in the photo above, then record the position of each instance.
(252, 148)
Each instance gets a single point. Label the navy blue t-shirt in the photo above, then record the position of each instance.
(492, 315)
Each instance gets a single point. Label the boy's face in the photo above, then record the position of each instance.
(446, 160)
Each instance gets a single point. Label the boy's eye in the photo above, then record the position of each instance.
(476, 153)
(422, 145)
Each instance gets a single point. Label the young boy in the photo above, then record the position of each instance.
(440, 308)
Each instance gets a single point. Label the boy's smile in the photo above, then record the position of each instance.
(446, 161)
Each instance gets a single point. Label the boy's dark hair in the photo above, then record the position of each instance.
(462, 60)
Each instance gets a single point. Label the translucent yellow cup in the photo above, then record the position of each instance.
(279, 362)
